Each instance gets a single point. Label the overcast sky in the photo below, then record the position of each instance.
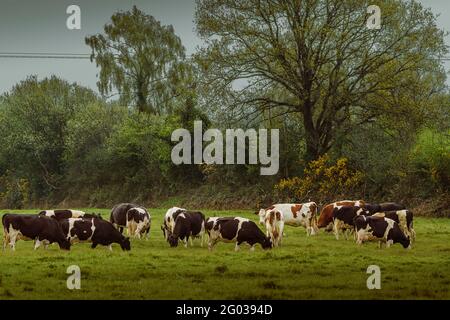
(39, 26)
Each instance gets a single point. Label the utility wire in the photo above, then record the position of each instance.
(35, 55)
(46, 55)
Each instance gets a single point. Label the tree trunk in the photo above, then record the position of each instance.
(311, 135)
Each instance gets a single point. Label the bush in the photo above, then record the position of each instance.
(322, 180)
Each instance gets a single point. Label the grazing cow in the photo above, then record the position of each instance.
(94, 230)
(404, 218)
(209, 224)
(169, 220)
(66, 214)
(274, 226)
(238, 230)
(343, 219)
(32, 227)
(295, 214)
(375, 228)
(326, 214)
(138, 222)
(188, 225)
(120, 218)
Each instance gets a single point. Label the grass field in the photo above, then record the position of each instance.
(318, 267)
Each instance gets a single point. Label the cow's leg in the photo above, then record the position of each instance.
(211, 243)
(13, 238)
(237, 247)
(336, 229)
(5, 238)
(94, 245)
(413, 235)
(389, 243)
(202, 239)
(346, 233)
(312, 231)
(110, 248)
(359, 238)
(37, 244)
(186, 240)
(191, 241)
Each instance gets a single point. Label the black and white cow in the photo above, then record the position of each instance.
(343, 219)
(95, 231)
(135, 218)
(382, 207)
(38, 228)
(238, 230)
(61, 214)
(188, 225)
(169, 221)
(139, 222)
(404, 218)
(375, 228)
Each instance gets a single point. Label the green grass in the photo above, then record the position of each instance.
(303, 268)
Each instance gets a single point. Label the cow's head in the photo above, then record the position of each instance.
(267, 243)
(125, 244)
(326, 218)
(406, 243)
(262, 214)
(173, 240)
(64, 244)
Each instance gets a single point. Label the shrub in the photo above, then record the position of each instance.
(322, 179)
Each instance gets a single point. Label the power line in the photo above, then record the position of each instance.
(47, 55)
(42, 55)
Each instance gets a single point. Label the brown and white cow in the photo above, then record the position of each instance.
(295, 214)
(404, 218)
(326, 214)
(38, 228)
(381, 229)
(238, 230)
(343, 219)
(95, 231)
(274, 226)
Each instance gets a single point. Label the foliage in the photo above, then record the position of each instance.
(322, 179)
(142, 59)
(316, 59)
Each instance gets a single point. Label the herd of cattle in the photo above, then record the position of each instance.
(387, 223)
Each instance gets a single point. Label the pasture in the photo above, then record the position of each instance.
(317, 267)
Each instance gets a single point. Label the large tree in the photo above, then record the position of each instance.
(317, 58)
(140, 58)
(33, 121)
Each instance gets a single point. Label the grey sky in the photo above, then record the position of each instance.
(40, 26)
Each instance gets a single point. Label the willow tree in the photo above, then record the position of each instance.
(141, 59)
(322, 60)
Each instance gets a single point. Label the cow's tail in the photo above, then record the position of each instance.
(314, 222)
(5, 231)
